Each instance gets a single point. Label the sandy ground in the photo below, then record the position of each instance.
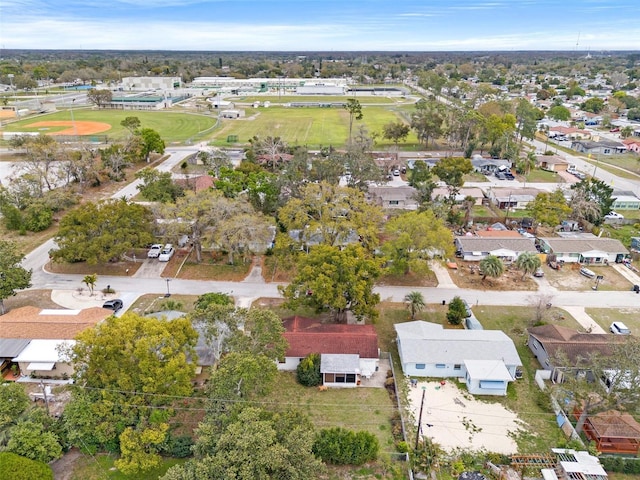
(78, 127)
(453, 418)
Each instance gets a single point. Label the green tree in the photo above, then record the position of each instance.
(90, 281)
(573, 90)
(559, 113)
(132, 124)
(421, 179)
(14, 401)
(596, 191)
(215, 160)
(528, 262)
(593, 105)
(415, 303)
(139, 448)
(13, 276)
(332, 215)
(549, 208)
(17, 467)
(396, 132)
(103, 231)
(428, 121)
(456, 311)
(626, 132)
(158, 186)
(151, 142)
(491, 266)
(451, 170)
(340, 446)
(308, 371)
(620, 385)
(212, 298)
(337, 280)
(30, 439)
(415, 238)
(355, 113)
(241, 375)
(99, 97)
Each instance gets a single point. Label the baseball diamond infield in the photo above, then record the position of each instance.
(79, 127)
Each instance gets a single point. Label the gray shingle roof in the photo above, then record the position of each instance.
(424, 342)
(11, 347)
(477, 244)
(580, 245)
(339, 363)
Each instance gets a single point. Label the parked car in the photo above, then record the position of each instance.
(619, 328)
(538, 273)
(154, 251)
(613, 216)
(396, 173)
(501, 176)
(587, 273)
(166, 253)
(467, 308)
(115, 304)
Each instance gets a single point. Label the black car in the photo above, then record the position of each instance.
(115, 304)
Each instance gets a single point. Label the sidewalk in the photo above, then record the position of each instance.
(583, 319)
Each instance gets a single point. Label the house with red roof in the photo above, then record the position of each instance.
(632, 144)
(352, 348)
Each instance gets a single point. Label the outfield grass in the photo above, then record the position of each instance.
(173, 127)
(312, 127)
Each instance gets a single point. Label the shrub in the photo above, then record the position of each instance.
(340, 446)
(308, 371)
(16, 467)
(456, 312)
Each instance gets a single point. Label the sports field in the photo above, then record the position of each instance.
(312, 127)
(173, 127)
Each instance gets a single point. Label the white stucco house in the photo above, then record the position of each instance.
(46, 358)
(471, 248)
(485, 360)
(348, 352)
(586, 249)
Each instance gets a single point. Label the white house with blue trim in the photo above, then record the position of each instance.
(485, 360)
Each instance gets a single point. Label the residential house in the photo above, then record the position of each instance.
(10, 348)
(488, 166)
(625, 200)
(632, 145)
(53, 324)
(512, 198)
(553, 163)
(601, 147)
(308, 335)
(402, 197)
(340, 370)
(574, 465)
(46, 358)
(547, 342)
(473, 192)
(486, 359)
(585, 249)
(476, 248)
(571, 133)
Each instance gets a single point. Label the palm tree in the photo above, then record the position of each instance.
(415, 303)
(491, 266)
(90, 281)
(172, 305)
(528, 262)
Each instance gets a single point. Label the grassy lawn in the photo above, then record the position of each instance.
(627, 161)
(482, 211)
(543, 176)
(367, 409)
(606, 316)
(151, 303)
(173, 127)
(313, 127)
(101, 467)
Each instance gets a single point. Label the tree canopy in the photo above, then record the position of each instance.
(451, 170)
(13, 276)
(337, 280)
(549, 208)
(103, 231)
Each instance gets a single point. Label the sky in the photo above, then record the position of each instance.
(329, 25)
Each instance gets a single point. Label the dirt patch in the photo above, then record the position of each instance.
(79, 127)
(212, 267)
(7, 113)
(34, 298)
(409, 280)
(83, 268)
(569, 278)
(468, 276)
(63, 467)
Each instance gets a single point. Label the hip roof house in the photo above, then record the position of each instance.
(486, 359)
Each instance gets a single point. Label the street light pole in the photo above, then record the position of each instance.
(168, 294)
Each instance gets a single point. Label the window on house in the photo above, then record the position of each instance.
(351, 378)
(394, 202)
(329, 377)
(607, 151)
(440, 365)
(420, 366)
(457, 366)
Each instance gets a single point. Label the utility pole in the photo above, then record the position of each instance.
(424, 390)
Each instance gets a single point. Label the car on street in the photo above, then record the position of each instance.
(115, 304)
(619, 328)
(166, 253)
(154, 251)
(613, 216)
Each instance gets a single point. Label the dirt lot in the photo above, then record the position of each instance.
(467, 276)
(569, 278)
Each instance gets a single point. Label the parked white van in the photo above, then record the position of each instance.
(619, 328)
